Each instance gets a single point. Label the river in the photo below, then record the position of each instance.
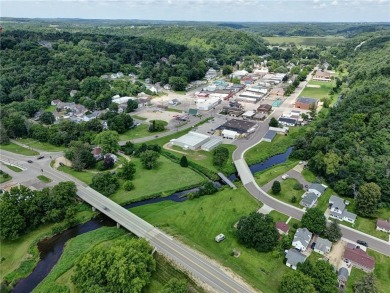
(51, 249)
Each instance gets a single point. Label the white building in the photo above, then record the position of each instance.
(207, 104)
(211, 144)
(239, 73)
(122, 100)
(302, 239)
(230, 134)
(191, 141)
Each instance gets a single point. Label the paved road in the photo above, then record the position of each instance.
(192, 261)
(251, 186)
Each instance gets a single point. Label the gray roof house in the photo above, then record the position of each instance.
(294, 257)
(302, 239)
(323, 246)
(317, 188)
(338, 211)
(342, 277)
(308, 199)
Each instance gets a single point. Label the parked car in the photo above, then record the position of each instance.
(285, 176)
(29, 161)
(361, 242)
(40, 157)
(313, 245)
(219, 238)
(62, 164)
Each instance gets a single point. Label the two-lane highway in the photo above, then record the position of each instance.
(196, 264)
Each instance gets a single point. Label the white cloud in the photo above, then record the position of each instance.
(334, 3)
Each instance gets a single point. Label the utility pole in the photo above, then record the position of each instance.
(354, 191)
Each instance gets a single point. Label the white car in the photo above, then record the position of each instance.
(285, 176)
(219, 238)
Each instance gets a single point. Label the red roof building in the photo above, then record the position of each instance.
(282, 227)
(359, 258)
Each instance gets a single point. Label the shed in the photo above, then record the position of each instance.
(269, 136)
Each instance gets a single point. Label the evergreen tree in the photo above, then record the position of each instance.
(184, 161)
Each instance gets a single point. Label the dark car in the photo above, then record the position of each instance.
(29, 161)
(40, 157)
(361, 242)
(313, 245)
(62, 164)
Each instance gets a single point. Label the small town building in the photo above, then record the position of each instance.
(207, 104)
(383, 225)
(97, 153)
(250, 97)
(191, 141)
(249, 114)
(317, 188)
(293, 258)
(211, 144)
(257, 89)
(287, 121)
(338, 210)
(342, 277)
(264, 108)
(230, 134)
(239, 74)
(269, 136)
(277, 92)
(211, 73)
(322, 76)
(359, 258)
(309, 199)
(302, 239)
(282, 228)
(242, 127)
(306, 103)
(323, 246)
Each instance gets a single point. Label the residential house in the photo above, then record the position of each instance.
(264, 109)
(359, 258)
(309, 199)
(306, 103)
(338, 210)
(122, 108)
(211, 73)
(322, 76)
(91, 116)
(55, 102)
(97, 153)
(282, 228)
(294, 257)
(287, 121)
(247, 80)
(383, 225)
(317, 188)
(167, 87)
(323, 246)
(239, 74)
(302, 239)
(114, 157)
(342, 277)
(278, 92)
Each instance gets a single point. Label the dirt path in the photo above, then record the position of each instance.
(336, 255)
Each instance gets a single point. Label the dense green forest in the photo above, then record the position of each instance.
(351, 146)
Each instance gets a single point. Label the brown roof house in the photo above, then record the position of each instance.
(264, 109)
(322, 76)
(383, 225)
(359, 258)
(278, 92)
(282, 228)
(306, 103)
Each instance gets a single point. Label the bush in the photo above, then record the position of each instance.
(298, 186)
(5, 175)
(128, 185)
(294, 199)
(100, 166)
(276, 187)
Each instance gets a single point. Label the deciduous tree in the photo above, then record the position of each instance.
(296, 282)
(105, 183)
(149, 159)
(314, 220)
(276, 187)
(273, 122)
(367, 199)
(175, 286)
(333, 232)
(108, 141)
(365, 285)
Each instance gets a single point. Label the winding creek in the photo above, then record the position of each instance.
(51, 249)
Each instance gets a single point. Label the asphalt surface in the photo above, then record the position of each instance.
(190, 260)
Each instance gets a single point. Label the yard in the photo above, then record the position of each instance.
(138, 132)
(288, 192)
(266, 176)
(318, 93)
(280, 144)
(381, 273)
(17, 149)
(44, 146)
(196, 222)
(167, 178)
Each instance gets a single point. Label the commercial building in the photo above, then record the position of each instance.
(191, 141)
(211, 144)
(207, 104)
(250, 97)
(322, 76)
(242, 127)
(306, 103)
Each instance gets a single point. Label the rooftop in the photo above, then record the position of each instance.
(192, 138)
(303, 235)
(323, 244)
(294, 257)
(384, 224)
(307, 100)
(359, 256)
(270, 134)
(319, 187)
(309, 198)
(240, 126)
(282, 226)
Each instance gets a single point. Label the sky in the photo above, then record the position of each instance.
(204, 10)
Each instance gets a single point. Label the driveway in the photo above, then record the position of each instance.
(292, 174)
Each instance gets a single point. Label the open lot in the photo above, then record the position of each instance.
(318, 92)
(44, 146)
(196, 222)
(17, 149)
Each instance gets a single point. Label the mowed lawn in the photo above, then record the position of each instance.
(381, 273)
(288, 192)
(17, 149)
(44, 146)
(138, 132)
(263, 177)
(318, 93)
(197, 222)
(165, 179)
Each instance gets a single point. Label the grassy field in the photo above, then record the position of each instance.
(308, 175)
(4, 178)
(20, 256)
(318, 93)
(206, 158)
(13, 168)
(280, 144)
(266, 176)
(381, 273)
(138, 132)
(306, 41)
(166, 178)
(44, 178)
(288, 192)
(73, 250)
(17, 149)
(197, 222)
(278, 217)
(44, 146)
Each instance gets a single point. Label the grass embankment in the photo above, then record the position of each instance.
(197, 222)
(45, 146)
(139, 117)
(17, 149)
(4, 177)
(381, 273)
(266, 176)
(166, 178)
(44, 179)
(19, 257)
(13, 168)
(138, 132)
(306, 41)
(280, 144)
(318, 92)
